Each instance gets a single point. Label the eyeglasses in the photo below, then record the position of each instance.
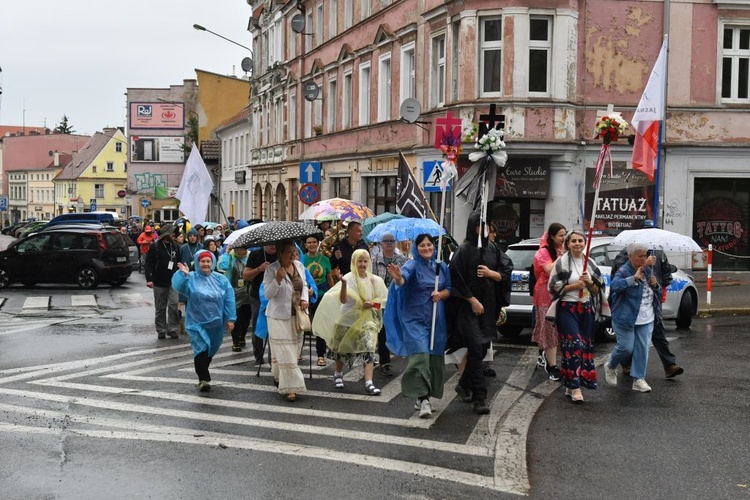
(388, 241)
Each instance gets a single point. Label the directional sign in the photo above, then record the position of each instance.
(145, 203)
(309, 194)
(433, 170)
(309, 172)
(4, 203)
(92, 205)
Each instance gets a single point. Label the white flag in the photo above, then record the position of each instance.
(195, 188)
(650, 112)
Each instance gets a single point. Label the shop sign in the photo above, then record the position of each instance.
(626, 198)
(719, 222)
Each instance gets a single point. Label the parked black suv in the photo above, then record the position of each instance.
(85, 256)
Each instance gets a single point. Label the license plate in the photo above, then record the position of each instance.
(122, 259)
(519, 287)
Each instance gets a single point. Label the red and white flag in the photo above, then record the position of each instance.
(650, 111)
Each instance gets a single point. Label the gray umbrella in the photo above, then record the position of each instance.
(276, 231)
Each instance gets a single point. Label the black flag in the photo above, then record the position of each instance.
(410, 200)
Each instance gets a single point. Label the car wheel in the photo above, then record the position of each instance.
(117, 283)
(685, 311)
(604, 330)
(510, 331)
(4, 278)
(87, 278)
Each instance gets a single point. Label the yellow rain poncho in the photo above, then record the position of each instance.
(350, 328)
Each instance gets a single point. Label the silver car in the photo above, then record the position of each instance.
(682, 295)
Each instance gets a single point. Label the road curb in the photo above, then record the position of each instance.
(724, 311)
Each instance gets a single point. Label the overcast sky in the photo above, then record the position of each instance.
(78, 57)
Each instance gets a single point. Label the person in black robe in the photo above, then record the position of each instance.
(481, 286)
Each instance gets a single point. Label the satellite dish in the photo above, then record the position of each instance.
(410, 110)
(247, 65)
(298, 23)
(311, 90)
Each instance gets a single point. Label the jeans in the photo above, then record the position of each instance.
(202, 362)
(167, 319)
(632, 342)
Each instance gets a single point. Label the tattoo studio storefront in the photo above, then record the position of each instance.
(626, 199)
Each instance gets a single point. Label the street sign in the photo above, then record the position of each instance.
(309, 194)
(4, 203)
(433, 170)
(309, 172)
(145, 203)
(92, 205)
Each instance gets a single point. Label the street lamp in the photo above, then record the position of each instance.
(201, 28)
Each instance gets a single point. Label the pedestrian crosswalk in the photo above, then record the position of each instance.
(80, 302)
(244, 411)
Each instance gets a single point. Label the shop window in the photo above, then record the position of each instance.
(342, 187)
(381, 194)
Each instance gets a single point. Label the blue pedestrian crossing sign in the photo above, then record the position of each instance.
(433, 171)
(309, 172)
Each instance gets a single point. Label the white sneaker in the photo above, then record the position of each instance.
(425, 410)
(610, 374)
(641, 385)
(541, 360)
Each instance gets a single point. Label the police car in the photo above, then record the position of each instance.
(682, 294)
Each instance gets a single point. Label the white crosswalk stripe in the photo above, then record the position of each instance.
(152, 382)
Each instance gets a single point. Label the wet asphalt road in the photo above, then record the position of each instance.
(122, 419)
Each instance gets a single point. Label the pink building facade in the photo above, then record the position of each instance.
(548, 67)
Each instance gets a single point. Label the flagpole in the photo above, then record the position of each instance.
(437, 268)
(658, 174)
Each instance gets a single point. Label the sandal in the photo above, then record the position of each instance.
(338, 382)
(321, 361)
(371, 390)
(291, 397)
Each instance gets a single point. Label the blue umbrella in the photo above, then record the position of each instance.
(371, 222)
(405, 229)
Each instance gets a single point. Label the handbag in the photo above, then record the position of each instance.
(303, 320)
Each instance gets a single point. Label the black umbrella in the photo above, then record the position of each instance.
(276, 231)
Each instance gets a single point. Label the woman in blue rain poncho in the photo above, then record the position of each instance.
(210, 308)
(408, 322)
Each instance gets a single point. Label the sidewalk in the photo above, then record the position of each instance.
(730, 293)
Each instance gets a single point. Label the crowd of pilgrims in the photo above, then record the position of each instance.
(365, 304)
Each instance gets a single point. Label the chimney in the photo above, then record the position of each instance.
(57, 159)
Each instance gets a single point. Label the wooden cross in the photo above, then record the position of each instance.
(447, 126)
(610, 112)
(491, 117)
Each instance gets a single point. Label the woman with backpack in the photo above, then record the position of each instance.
(545, 333)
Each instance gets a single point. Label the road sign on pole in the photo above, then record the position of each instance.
(433, 170)
(309, 172)
(3, 203)
(309, 193)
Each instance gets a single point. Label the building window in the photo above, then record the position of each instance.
(366, 9)
(348, 14)
(292, 114)
(540, 52)
(364, 94)
(491, 51)
(333, 18)
(346, 102)
(319, 25)
(118, 147)
(309, 26)
(124, 166)
(332, 104)
(98, 190)
(381, 194)
(342, 187)
(318, 114)
(437, 87)
(384, 88)
(735, 64)
(110, 166)
(408, 82)
(93, 169)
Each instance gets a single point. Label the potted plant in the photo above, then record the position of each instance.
(318, 129)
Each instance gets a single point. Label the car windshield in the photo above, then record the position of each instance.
(522, 257)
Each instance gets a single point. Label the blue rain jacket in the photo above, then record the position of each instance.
(408, 312)
(210, 305)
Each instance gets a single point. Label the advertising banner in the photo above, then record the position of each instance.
(161, 149)
(626, 198)
(157, 115)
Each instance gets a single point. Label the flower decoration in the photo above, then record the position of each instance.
(450, 146)
(610, 128)
(469, 130)
(491, 142)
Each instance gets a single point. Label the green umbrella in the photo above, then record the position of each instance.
(370, 222)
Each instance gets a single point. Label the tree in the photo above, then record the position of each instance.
(63, 127)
